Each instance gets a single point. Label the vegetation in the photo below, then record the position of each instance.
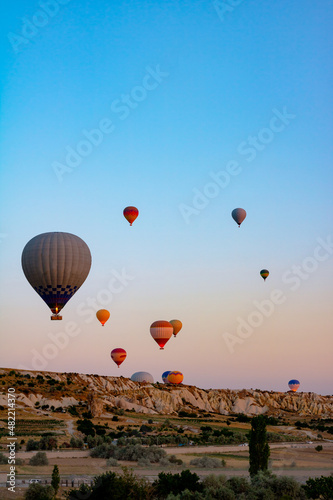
(39, 459)
(130, 453)
(55, 481)
(38, 492)
(321, 487)
(207, 462)
(258, 446)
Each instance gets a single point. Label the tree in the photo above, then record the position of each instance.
(38, 492)
(320, 487)
(39, 459)
(176, 483)
(258, 446)
(55, 481)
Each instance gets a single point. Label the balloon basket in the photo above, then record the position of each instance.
(55, 317)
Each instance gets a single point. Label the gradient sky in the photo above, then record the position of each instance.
(223, 76)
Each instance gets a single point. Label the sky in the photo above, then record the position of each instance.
(185, 110)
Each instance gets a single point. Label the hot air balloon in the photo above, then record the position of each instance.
(143, 377)
(238, 214)
(161, 331)
(118, 355)
(103, 315)
(175, 378)
(130, 214)
(56, 265)
(264, 273)
(176, 325)
(293, 385)
(165, 376)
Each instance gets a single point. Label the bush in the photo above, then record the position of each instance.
(321, 487)
(176, 483)
(319, 448)
(115, 486)
(38, 492)
(39, 459)
(144, 462)
(112, 462)
(206, 462)
(32, 445)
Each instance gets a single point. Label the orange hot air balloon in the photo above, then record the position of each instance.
(102, 315)
(176, 325)
(130, 214)
(175, 378)
(118, 355)
(161, 331)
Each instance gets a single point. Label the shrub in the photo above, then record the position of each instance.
(320, 487)
(112, 462)
(32, 445)
(319, 447)
(176, 483)
(206, 462)
(39, 459)
(38, 492)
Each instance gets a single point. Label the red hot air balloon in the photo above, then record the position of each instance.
(118, 355)
(161, 331)
(130, 214)
(238, 214)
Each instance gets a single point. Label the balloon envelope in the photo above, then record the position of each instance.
(56, 265)
(293, 385)
(264, 273)
(238, 214)
(130, 214)
(165, 376)
(161, 331)
(102, 315)
(175, 377)
(143, 377)
(118, 355)
(176, 325)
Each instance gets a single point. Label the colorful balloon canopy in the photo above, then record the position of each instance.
(118, 355)
(264, 273)
(143, 377)
(130, 214)
(175, 378)
(293, 385)
(238, 214)
(161, 331)
(102, 316)
(56, 265)
(176, 325)
(165, 376)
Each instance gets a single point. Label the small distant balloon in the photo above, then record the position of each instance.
(143, 377)
(176, 325)
(175, 378)
(130, 214)
(165, 376)
(118, 355)
(264, 273)
(293, 385)
(161, 331)
(102, 316)
(238, 214)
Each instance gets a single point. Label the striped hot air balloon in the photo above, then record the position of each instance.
(161, 331)
(175, 378)
(56, 265)
(102, 315)
(238, 214)
(118, 355)
(130, 214)
(293, 385)
(264, 273)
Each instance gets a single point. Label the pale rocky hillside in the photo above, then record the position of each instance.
(102, 391)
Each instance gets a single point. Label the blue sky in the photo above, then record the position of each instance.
(201, 85)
